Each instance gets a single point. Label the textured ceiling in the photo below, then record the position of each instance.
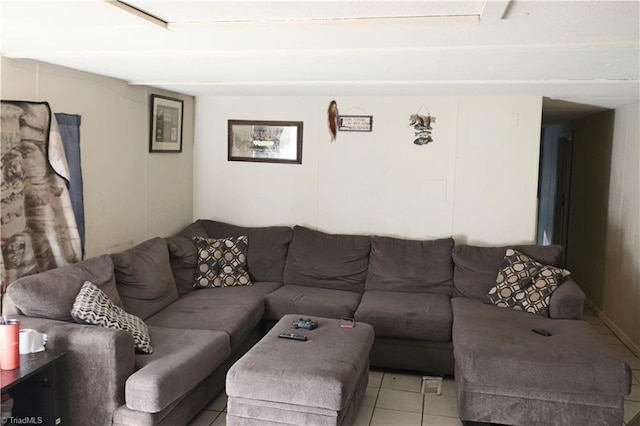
(579, 51)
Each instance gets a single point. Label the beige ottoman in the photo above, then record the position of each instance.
(320, 381)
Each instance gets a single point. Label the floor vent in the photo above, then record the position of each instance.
(431, 385)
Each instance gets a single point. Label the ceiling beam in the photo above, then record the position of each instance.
(494, 10)
(139, 13)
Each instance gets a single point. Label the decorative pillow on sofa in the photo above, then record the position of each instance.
(222, 262)
(535, 298)
(525, 284)
(267, 253)
(515, 274)
(93, 306)
(475, 267)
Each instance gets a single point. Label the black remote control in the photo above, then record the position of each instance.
(542, 332)
(293, 336)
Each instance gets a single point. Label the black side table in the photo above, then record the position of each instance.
(34, 389)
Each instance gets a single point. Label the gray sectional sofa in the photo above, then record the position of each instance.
(424, 300)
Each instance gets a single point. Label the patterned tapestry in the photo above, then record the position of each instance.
(39, 231)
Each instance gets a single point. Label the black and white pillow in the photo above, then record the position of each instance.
(92, 306)
(515, 275)
(525, 284)
(535, 298)
(222, 262)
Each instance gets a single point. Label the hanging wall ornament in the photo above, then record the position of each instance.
(332, 118)
(422, 127)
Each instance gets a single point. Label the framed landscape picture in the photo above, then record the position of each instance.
(165, 133)
(265, 141)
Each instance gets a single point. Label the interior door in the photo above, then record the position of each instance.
(563, 193)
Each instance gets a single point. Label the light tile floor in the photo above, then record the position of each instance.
(394, 399)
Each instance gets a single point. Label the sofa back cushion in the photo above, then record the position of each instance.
(268, 247)
(332, 261)
(183, 256)
(476, 268)
(266, 257)
(144, 278)
(51, 294)
(411, 265)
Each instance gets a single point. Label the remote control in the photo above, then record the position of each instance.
(542, 332)
(293, 336)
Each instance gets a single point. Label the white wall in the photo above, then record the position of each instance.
(129, 194)
(621, 293)
(477, 181)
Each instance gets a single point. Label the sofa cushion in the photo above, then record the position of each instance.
(222, 262)
(234, 310)
(332, 261)
(182, 359)
(92, 306)
(495, 348)
(268, 247)
(524, 284)
(144, 279)
(315, 301)
(183, 258)
(410, 265)
(476, 268)
(401, 315)
(51, 294)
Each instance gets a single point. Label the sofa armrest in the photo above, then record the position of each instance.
(96, 365)
(567, 302)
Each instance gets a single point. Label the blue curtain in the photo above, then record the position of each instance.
(70, 132)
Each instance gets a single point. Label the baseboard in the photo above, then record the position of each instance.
(614, 328)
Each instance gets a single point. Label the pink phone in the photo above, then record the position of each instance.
(347, 322)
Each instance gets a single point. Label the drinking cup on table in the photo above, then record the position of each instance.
(10, 345)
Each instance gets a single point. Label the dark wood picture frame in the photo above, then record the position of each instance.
(165, 124)
(265, 141)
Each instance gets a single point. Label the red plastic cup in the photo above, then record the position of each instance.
(10, 345)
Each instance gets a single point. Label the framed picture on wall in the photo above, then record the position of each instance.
(265, 141)
(165, 134)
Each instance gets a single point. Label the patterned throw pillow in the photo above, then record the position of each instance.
(222, 262)
(92, 306)
(524, 284)
(515, 275)
(535, 298)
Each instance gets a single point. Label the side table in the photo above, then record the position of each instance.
(34, 387)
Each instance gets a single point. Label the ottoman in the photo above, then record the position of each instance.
(320, 381)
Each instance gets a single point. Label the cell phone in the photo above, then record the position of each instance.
(347, 322)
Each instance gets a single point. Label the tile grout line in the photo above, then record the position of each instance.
(423, 402)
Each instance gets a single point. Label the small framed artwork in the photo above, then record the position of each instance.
(165, 133)
(265, 141)
(355, 123)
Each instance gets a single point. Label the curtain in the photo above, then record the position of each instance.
(39, 230)
(69, 126)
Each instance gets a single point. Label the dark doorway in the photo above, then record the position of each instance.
(554, 186)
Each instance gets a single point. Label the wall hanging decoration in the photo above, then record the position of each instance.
(165, 133)
(39, 230)
(332, 119)
(355, 123)
(422, 127)
(265, 141)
